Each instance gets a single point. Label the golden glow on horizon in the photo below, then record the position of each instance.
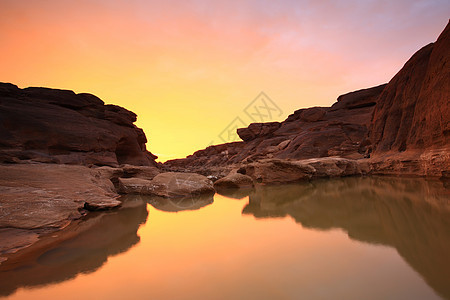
(188, 70)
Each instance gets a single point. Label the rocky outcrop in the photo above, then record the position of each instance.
(340, 130)
(168, 185)
(410, 128)
(59, 126)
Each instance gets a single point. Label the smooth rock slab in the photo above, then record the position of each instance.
(48, 195)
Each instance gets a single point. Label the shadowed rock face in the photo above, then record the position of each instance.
(410, 128)
(411, 215)
(82, 247)
(413, 110)
(59, 126)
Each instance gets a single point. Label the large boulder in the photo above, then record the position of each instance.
(234, 180)
(168, 185)
(278, 171)
(59, 126)
(274, 171)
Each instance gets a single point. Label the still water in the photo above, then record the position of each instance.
(353, 238)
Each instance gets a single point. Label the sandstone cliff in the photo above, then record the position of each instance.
(410, 128)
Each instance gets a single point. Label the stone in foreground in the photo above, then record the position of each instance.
(168, 185)
(49, 195)
(234, 180)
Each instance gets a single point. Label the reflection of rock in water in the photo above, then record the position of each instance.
(176, 204)
(412, 215)
(97, 238)
(235, 193)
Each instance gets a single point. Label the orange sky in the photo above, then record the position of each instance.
(188, 68)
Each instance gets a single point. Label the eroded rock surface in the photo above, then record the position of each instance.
(410, 128)
(48, 195)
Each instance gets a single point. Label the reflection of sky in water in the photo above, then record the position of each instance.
(280, 242)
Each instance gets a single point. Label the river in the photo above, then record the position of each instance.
(350, 238)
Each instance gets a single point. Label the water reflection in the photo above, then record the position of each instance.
(82, 247)
(178, 204)
(411, 215)
(235, 193)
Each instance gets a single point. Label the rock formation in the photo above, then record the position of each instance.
(403, 127)
(340, 130)
(59, 126)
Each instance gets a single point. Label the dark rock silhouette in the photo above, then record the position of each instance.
(59, 126)
(411, 215)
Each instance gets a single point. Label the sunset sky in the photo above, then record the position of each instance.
(189, 68)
